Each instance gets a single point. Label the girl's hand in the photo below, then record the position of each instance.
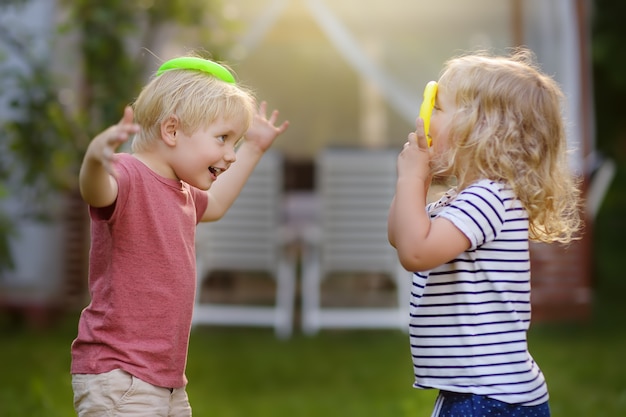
(263, 131)
(414, 160)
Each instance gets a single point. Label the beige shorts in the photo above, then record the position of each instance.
(117, 393)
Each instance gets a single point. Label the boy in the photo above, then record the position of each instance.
(130, 353)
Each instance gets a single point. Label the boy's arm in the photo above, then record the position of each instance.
(259, 138)
(225, 190)
(96, 179)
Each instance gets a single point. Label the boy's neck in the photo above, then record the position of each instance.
(155, 163)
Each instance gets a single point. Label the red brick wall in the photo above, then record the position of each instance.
(561, 281)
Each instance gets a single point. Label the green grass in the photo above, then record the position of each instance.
(335, 373)
(35, 375)
(248, 372)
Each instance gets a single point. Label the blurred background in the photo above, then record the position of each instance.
(347, 74)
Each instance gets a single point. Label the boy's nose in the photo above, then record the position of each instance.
(230, 155)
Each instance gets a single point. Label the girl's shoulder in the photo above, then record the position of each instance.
(487, 184)
(485, 187)
(484, 191)
(496, 194)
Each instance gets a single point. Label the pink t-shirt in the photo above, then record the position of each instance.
(142, 278)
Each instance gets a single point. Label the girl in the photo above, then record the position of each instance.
(497, 130)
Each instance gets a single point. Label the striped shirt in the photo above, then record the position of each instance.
(470, 316)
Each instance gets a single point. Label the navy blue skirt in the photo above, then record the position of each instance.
(450, 404)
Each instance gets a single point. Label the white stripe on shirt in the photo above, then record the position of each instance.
(469, 317)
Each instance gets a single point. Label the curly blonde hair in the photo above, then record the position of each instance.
(509, 127)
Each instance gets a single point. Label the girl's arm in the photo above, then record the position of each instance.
(422, 244)
(96, 179)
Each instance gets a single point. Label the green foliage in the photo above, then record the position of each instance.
(608, 236)
(7, 230)
(110, 74)
(45, 140)
(609, 77)
(248, 372)
(41, 139)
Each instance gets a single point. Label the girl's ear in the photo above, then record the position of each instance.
(169, 127)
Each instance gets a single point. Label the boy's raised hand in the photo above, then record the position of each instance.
(97, 186)
(263, 131)
(102, 147)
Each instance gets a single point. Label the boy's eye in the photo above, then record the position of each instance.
(222, 138)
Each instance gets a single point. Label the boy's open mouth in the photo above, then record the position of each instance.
(216, 171)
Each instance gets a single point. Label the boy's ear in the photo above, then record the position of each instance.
(169, 127)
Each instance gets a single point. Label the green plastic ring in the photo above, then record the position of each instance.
(197, 64)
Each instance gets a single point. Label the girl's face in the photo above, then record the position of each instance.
(199, 158)
(440, 122)
(441, 118)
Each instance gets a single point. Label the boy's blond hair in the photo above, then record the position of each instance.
(509, 127)
(195, 97)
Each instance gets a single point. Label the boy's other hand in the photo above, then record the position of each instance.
(263, 131)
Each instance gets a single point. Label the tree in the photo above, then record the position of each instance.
(44, 142)
(609, 61)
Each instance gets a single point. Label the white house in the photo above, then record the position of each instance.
(351, 73)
